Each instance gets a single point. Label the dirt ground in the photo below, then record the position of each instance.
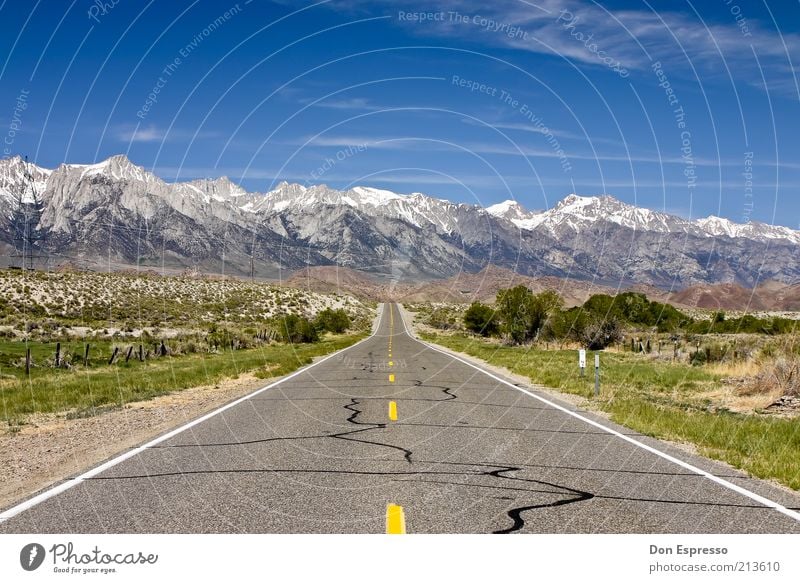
(52, 448)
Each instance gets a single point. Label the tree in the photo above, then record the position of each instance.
(599, 332)
(481, 319)
(295, 329)
(336, 321)
(525, 314)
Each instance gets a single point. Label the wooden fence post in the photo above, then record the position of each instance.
(28, 362)
(141, 353)
(113, 355)
(86, 356)
(130, 351)
(58, 354)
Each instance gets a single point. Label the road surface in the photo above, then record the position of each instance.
(393, 434)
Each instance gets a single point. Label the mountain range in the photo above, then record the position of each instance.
(115, 213)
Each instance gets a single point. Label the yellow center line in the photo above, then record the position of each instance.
(395, 519)
(391, 378)
(392, 410)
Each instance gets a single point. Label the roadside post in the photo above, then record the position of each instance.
(596, 374)
(582, 361)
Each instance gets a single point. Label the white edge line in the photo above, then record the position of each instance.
(72, 482)
(725, 483)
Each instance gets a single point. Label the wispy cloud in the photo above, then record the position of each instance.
(544, 130)
(353, 103)
(634, 37)
(419, 143)
(139, 134)
(152, 133)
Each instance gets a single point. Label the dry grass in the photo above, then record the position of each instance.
(781, 376)
(735, 369)
(671, 400)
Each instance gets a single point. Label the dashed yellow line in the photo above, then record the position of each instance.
(395, 519)
(390, 362)
(392, 410)
(391, 378)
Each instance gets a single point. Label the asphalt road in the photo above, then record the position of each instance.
(319, 453)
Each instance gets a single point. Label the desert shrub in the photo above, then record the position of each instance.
(782, 373)
(296, 329)
(599, 333)
(481, 319)
(524, 313)
(442, 319)
(336, 321)
(698, 358)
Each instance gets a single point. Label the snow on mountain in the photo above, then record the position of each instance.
(511, 210)
(719, 227)
(418, 209)
(130, 215)
(19, 178)
(117, 168)
(207, 190)
(574, 213)
(374, 196)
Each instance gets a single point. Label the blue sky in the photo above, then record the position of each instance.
(686, 106)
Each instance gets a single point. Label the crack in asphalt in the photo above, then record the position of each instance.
(343, 435)
(352, 419)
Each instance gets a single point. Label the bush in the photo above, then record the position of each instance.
(336, 321)
(600, 333)
(481, 319)
(782, 373)
(524, 313)
(698, 358)
(296, 329)
(442, 319)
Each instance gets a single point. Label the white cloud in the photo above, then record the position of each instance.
(353, 103)
(139, 134)
(153, 133)
(636, 38)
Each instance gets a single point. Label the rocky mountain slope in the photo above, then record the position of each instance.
(115, 213)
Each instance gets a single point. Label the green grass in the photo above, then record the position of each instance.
(86, 391)
(659, 399)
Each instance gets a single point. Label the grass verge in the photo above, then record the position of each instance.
(85, 391)
(660, 399)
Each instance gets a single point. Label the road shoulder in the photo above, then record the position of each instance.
(686, 452)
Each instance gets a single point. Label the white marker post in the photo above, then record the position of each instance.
(582, 361)
(596, 374)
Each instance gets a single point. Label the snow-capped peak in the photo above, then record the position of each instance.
(718, 227)
(118, 167)
(576, 211)
(212, 189)
(513, 211)
(374, 196)
(573, 214)
(23, 180)
(508, 209)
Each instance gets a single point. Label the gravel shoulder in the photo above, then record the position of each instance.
(52, 448)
